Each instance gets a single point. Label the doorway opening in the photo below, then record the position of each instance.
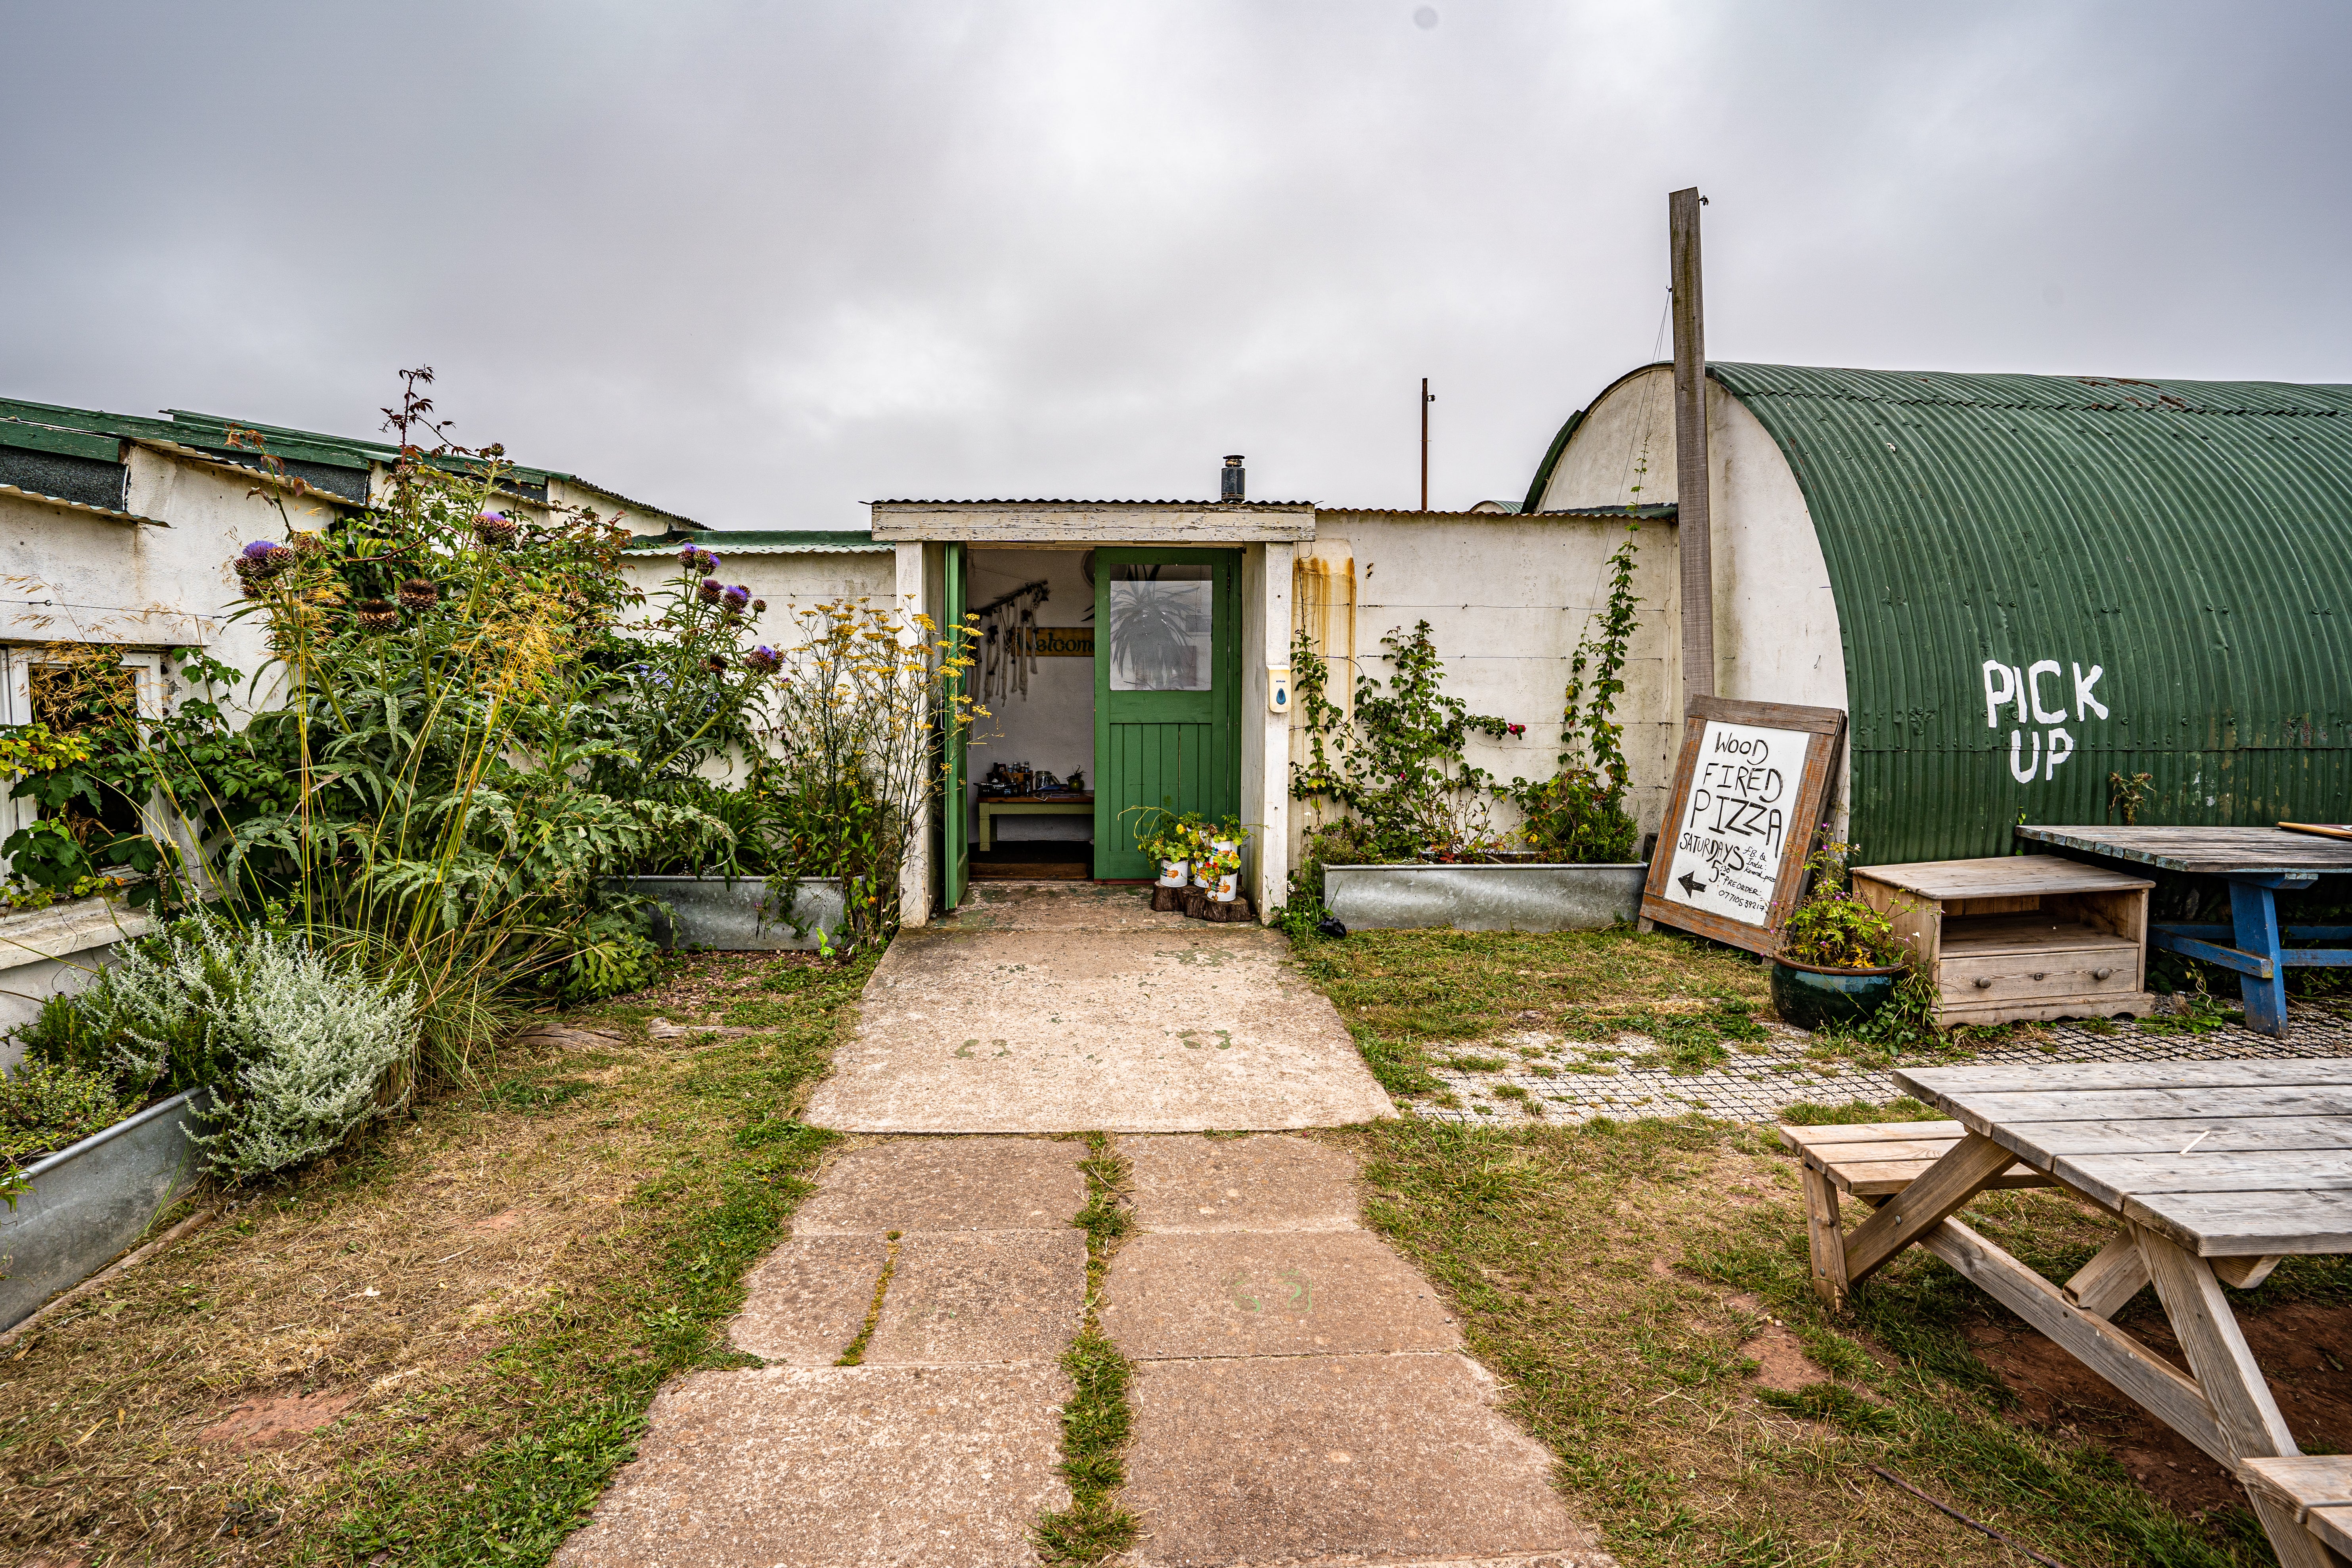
(1029, 812)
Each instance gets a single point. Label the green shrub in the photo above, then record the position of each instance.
(296, 1046)
(46, 1106)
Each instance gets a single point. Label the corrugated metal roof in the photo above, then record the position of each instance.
(1218, 505)
(45, 425)
(2192, 540)
(724, 541)
(84, 508)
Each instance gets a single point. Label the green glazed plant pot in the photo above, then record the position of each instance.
(1813, 996)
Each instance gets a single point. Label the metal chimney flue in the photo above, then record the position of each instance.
(1233, 479)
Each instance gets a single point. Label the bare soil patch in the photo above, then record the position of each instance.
(2301, 1346)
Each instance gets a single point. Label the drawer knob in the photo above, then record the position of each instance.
(2041, 974)
(2101, 973)
(1983, 983)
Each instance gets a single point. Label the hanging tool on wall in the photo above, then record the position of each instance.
(1009, 641)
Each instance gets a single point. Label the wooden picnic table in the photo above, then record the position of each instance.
(2214, 1171)
(2257, 863)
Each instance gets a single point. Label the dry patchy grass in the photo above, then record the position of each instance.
(1405, 992)
(1641, 1288)
(436, 1349)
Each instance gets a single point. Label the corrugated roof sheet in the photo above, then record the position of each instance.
(45, 423)
(2192, 541)
(1237, 506)
(724, 541)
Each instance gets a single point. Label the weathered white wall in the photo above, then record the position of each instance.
(791, 583)
(141, 587)
(1052, 727)
(1776, 622)
(1507, 598)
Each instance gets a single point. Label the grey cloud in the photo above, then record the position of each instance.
(762, 263)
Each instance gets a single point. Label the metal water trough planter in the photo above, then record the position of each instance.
(738, 917)
(92, 1201)
(1510, 897)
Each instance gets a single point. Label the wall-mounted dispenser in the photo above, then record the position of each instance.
(1277, 688)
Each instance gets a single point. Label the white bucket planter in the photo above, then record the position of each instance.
(742, 916)
(1542, 897)
(92, 1201)
(1175, 873)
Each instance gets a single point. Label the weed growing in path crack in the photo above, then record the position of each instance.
(1095, 1420)
(855, 1354)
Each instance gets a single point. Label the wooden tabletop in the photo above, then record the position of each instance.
(2211, 850)
(1067, 798)
(2002, 875)
(2229, 1159)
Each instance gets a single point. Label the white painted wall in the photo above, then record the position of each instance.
(1776, 623)
(1053, 727)
(1507, 598)
(790, 584)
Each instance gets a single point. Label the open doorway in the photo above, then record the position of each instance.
(1030, 803)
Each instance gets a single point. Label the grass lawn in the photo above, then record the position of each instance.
(1640, 1288)
(464, 1318)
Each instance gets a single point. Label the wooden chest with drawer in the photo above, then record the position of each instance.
(2020, 937)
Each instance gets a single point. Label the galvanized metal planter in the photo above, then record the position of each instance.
(92, 1201)
(741, 916)
(1543, 896)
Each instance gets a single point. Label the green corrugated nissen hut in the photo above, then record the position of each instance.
(2018, 586)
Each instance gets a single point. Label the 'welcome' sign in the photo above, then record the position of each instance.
(1753, 783)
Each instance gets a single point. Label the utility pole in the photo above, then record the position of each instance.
(1426, 399)
(1693, 535)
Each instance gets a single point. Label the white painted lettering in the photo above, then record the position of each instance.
(2033, 686)
(2082, 685)
(1996, 695)
(2062, 746)
(2017, 755)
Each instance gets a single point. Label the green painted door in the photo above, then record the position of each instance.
(1167, 694)
(955, 808)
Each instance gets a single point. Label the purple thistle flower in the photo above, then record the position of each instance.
(710, 590)
(764, 660)
(710, 561)
(689, 557)
(736, 597)
(259, 548)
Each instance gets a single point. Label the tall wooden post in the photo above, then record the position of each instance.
(1691, 528)
(1425, 401)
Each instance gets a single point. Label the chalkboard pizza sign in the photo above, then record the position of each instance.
(1754, 782)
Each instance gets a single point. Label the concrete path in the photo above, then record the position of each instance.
(1301, 1394)
(1046, 1007)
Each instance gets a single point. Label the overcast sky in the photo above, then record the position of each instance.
(762, 263)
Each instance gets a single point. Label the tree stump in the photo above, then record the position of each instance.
(1168, 900)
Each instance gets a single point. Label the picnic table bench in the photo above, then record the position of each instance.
(2215, 1170)
(2258, 863)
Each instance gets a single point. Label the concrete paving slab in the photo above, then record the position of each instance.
(1245, 1293)
(912, 1185)
(1372, 1459)
(1061, 906)
(1012, 1296)
(1241, 1184)
(1144, 1030)
(808, 1467)
(805, 1301)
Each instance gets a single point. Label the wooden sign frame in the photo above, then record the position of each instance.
(1824, 729)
